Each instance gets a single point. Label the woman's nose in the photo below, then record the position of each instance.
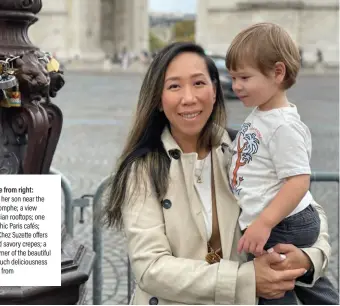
(188, 96)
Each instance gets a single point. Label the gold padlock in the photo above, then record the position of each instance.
(15, 97)
(11, 97)
(53, 65)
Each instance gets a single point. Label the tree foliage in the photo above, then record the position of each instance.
(184, 30)
(155, 43)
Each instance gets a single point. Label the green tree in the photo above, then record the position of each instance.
(155, 43)
(184, 30)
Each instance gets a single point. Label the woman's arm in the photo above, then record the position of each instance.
(183, 280)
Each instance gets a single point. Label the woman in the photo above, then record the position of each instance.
(172, 195)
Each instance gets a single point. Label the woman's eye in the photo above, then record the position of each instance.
(173, 86)
(199, 83)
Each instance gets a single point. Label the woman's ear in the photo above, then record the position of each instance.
(279, 72)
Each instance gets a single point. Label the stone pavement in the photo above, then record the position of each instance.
(97, 115)
(107, 67)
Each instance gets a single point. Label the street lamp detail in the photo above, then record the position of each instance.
(30, 127)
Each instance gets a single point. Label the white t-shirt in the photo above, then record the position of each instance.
(204, 190)
(270, 146)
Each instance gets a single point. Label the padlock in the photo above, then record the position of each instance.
(3, 66)
(7, 70)
(53, 65)
(14, 96)
(11, 97)
(7, 67)
(7, 81)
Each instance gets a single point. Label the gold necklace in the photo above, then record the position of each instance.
(199, 176)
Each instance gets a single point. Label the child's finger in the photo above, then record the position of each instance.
(240, 245)
(258, 250)
(246, 245)
(252, 247)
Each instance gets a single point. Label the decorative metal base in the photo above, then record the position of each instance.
(29, 134)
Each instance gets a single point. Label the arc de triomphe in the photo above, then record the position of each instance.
(90, 29)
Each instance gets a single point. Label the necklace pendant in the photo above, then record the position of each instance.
(212, 257)
(199, 180)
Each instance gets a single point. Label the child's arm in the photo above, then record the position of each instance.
(286, 200)
(290, 152)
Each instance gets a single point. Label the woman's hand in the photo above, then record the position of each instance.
(293, 258)
(272, 284)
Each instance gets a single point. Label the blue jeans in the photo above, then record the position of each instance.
(301, 230)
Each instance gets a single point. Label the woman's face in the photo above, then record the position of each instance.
(188, 96)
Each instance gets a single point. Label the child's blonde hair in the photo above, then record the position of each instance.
(261, 46)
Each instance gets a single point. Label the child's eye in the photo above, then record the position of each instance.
(245, 77)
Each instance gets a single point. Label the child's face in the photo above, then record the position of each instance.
(254, 88)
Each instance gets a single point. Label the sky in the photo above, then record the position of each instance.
(179, 6)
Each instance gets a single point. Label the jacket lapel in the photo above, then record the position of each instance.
(227, 207)
(186, 166)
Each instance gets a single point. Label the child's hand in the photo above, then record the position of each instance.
(254, 238)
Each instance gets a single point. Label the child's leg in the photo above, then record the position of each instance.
(322, 293)
(288, 299)
(301, 230)
(278, 235)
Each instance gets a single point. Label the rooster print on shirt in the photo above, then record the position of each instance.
(247, 146)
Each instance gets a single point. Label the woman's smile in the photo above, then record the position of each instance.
(190, 115)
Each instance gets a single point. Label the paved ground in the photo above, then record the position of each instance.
(97, 112)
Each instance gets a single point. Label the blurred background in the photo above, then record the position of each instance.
(105, 47)
(88, 32)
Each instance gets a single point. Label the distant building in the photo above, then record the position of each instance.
(313, 24)
(90, 29)
(168, 19)
(162, 24)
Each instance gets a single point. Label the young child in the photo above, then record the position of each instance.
(270, 171)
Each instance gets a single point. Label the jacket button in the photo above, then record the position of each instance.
(176, 154)
(153, 301)
(166, 203)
